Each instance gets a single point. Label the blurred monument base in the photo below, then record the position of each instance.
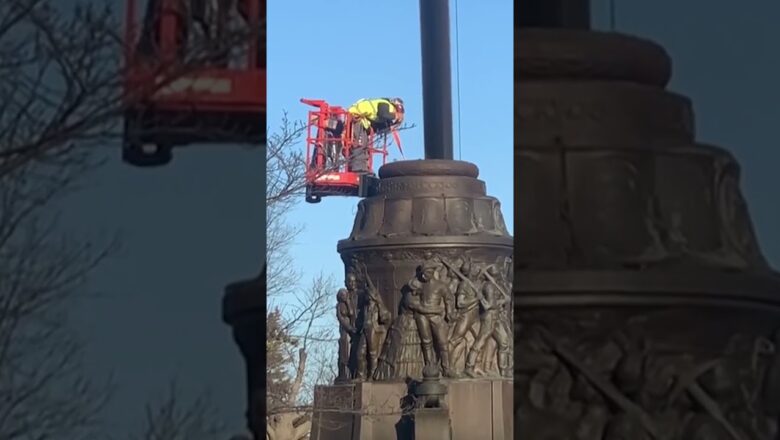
(478, 409)
(647, 309)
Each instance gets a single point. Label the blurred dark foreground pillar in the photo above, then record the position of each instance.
(645, 307)
(570, 14)
(244, 309)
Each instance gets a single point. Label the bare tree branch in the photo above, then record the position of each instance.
(61, 97)
(285, 181)
(300, 337)
(62, 85)
(171, 419)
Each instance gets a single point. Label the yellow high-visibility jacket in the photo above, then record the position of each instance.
(367, 109)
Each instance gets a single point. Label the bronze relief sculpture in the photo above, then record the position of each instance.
(644, 307)
(452, 318)
(426, 310)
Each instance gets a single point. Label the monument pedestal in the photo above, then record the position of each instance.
(646, 309)
(427, 292)
(433, 424)
(478, 409)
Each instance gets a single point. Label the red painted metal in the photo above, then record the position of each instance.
(180, 88)
(335, 178)
(246, 90)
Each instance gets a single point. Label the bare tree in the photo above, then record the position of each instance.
(285, 188)
(171, 418)
(60, 99)
(285, 183)
(301, 332)
(306, 332)
(43, 391)
(48, 63)
(63, 76)
(298, 349)
(60, 85)
(299, 335)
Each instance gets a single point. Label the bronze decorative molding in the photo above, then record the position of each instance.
(644, 307)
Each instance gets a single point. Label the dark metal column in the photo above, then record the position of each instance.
(244, 309)
(437, 81)
(572, 14)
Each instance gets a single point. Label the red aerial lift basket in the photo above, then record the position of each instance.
(335, 166)
(174, 97)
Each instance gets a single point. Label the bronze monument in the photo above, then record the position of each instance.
(645, 309)
(425, 347)
(244, 309)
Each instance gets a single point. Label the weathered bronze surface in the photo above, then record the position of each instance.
(427, 296)
(645, 308)
(427, 265)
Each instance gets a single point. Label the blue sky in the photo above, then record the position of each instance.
(344, 50)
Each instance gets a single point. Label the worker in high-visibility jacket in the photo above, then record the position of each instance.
(371, 115)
